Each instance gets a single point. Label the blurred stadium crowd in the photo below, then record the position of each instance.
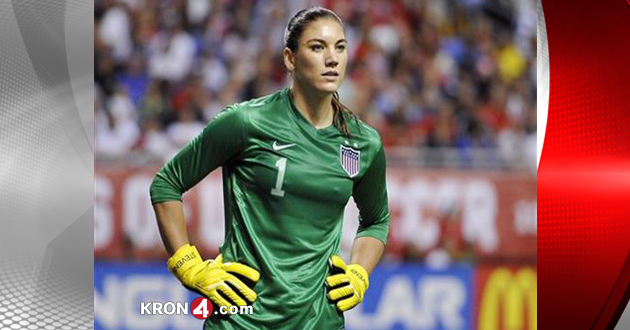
(453, 75)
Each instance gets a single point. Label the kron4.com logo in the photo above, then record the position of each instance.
(201, 308)
(507, 298)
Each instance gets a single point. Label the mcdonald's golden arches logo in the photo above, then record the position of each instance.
(509, 300)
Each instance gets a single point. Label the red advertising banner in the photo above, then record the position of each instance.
(434, 215)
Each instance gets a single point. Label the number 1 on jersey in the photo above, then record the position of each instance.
(281, 164)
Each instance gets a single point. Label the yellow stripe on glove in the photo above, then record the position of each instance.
(346, 284)
(214, 279)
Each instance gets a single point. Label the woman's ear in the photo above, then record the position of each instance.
(289, 59)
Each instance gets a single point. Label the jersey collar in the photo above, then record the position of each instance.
(303, 122)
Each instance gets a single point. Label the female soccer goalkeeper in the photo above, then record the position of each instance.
(291, 160)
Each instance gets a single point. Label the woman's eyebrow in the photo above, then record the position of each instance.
(324, 41)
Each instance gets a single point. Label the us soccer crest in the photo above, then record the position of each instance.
(350, 160)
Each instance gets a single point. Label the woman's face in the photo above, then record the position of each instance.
(321, 57)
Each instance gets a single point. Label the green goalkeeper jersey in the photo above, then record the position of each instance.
(285, 186)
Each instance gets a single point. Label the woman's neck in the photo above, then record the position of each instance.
(315, 107)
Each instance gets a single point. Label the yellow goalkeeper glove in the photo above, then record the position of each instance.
(346, 284)
(214, 279)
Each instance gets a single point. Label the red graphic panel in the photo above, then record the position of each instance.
(584, 173)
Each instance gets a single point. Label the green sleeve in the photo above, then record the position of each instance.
(220, 142)
(370, 195)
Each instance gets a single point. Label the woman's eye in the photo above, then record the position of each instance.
(341, 48)
(317, 47)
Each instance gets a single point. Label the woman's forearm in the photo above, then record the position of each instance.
(172, 225)
(367, 251)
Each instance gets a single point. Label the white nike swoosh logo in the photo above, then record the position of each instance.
(280, 147)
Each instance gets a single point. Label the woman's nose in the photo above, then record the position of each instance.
(331, 60)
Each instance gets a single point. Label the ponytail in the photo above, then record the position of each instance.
(340, 112)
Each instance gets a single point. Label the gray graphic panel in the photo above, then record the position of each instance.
(46, 164)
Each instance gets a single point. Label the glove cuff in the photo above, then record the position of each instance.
(359, 273)
(183, 260)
